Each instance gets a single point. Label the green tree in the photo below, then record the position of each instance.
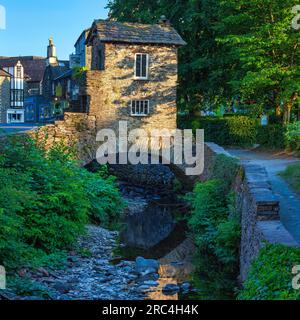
(236, 50)
(259, 35)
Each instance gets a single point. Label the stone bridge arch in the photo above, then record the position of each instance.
(80, 131)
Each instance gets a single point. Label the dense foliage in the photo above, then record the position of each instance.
(240, 53)
(292, 136)
(244, 131)
(228, 131)
(215, 225)
(272, 136)
(46, 199)
(271, 275)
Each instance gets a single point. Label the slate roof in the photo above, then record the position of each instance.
(65, 74)
(112, 31)
(58, 71)
(34, 67)
(3, 73)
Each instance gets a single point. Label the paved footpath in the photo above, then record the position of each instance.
(289, 200)
(6, 129)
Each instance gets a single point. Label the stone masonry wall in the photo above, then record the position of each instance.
(4, 98)
(110, 91)
(77, 130)
(260, 217)
(258, 208)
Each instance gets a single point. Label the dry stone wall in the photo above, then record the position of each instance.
(258, 207)
(77, 130)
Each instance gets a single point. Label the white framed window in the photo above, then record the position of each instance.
(140, 108)
(141, 66)
(15, 116)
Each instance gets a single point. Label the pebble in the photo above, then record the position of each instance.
(91, 278)
(96, 278)
(171, 289)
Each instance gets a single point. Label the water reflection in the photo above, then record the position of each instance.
(147, 226)
(176, 268)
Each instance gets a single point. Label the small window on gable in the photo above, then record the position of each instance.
(141, 66)
(140, 108)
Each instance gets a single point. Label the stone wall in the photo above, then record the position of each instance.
(258, 208)
(260, 217)
(77, 130)
(111, 90)
(4, 98)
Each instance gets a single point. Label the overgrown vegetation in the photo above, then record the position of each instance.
(215, 225)
(46, 199)
(270, 277)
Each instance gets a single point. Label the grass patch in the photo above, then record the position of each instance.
(292, 176)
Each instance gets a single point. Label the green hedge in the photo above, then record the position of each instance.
(244, 131)
(235, 131)
(270, 277)
(271, 136)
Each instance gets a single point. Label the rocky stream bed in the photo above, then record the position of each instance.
(102, 276)
(153, 260)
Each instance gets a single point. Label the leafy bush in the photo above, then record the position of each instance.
(227, 241)
(270, 277)
(271, 136)
(225, 169)
(216, 229)
(209, 210)
(228, 131)
(244, 131)
(292, 136)
(46, 200)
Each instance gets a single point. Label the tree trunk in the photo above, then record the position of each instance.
(287, 113)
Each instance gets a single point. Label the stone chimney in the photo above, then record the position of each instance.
(51, 53)
(164, 22)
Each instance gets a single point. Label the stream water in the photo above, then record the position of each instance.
(151, 229)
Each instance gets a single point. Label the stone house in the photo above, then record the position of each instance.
(54, 69)
(26, 88)
(133, 74)
(14, 110)
(5, 78)
(34, 68)
(83, 53)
